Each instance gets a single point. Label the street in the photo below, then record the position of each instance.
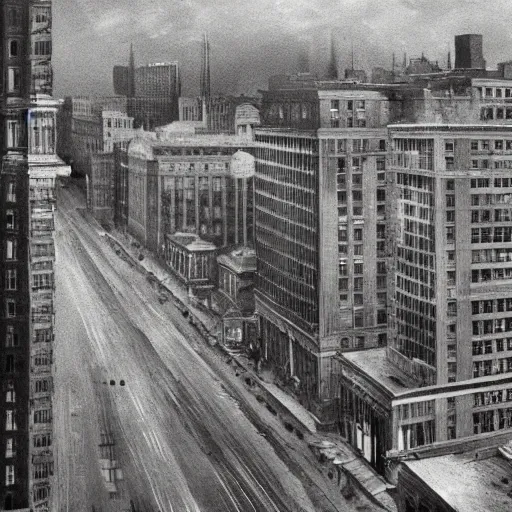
(174, 430)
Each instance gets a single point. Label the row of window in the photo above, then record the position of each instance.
(491, 235)
(490, 421)
(486, 274)
(489, 113)
(496, 325)
(482, 347)
(496, 215)
(486, 199)
(479, 307)
(491, 256)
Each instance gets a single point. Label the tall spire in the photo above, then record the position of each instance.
(332, 68)
(131, 74)
(449, 60)
(205, 70)
(404, 65)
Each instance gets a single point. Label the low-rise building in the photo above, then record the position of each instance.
(192, 261)
(235, 297)
(455, 483)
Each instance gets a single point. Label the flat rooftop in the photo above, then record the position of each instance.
(376, 365)
(474, 484)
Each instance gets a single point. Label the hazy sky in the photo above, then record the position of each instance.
(253, 39)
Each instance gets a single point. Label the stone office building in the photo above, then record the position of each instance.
(188, 183)
(320, 196)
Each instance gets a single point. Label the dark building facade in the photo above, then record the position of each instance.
(221, 112)
(121, 78)
(29, 167)
(469, 52)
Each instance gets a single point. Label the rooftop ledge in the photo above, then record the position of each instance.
(374, 365)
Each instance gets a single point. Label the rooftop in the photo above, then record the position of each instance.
(474, 485)
(191, 242)
(240, 260)
(376, 365)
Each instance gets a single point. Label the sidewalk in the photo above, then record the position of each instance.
(335, 456)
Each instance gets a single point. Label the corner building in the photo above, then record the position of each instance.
(320, 213)
(29, 168)
(444, 382)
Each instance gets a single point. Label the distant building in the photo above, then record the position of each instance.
(121, 77)
(221, 111)
(469, 52)
(358, 75)
(191, 109)
(421, 65)
(95, 130)
(181, 182)
(382, 76)
(120, 179)
(152, 92)
(100, 184)
(192, 261)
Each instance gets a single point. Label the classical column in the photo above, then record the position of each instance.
(210, 205)
(244, 209)
(236, 210)
(196, 198)
(184, 204)
(224, 212)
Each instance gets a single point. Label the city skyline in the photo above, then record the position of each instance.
(268, 37)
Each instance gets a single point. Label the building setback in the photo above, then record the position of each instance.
(29, 168)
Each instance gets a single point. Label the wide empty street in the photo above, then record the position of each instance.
(174, 435)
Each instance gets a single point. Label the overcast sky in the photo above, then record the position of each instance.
(253, 39)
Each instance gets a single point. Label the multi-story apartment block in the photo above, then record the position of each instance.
(29, 168)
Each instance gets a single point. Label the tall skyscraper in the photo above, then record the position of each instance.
(29, 167)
